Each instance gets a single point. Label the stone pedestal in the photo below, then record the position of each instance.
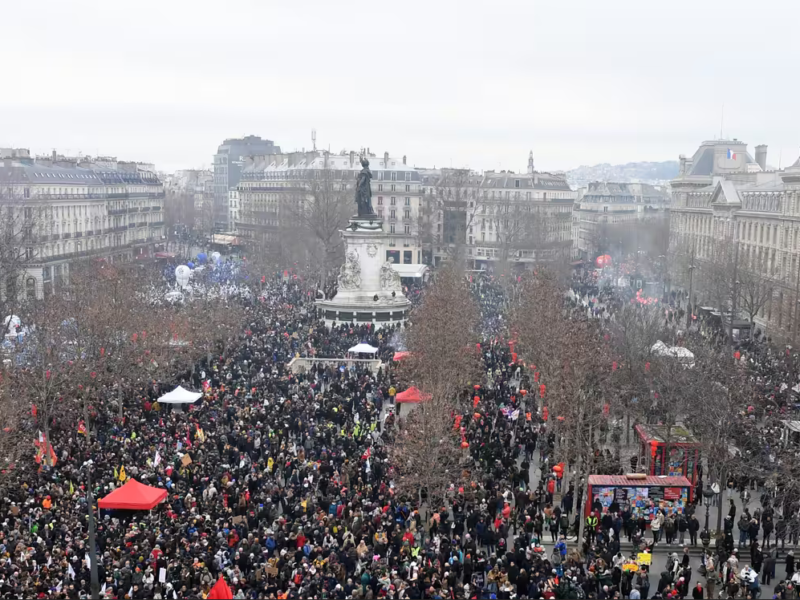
(369, 289)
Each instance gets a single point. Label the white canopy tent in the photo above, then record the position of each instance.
(684, 355)
(363, 349)
(180, 396)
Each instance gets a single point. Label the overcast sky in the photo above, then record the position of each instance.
(446, 82)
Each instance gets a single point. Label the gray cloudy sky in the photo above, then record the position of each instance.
(461, 82)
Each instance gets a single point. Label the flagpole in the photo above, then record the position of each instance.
(95, 580)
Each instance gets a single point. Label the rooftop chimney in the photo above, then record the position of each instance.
(761, 156)
(404, 159)
(55, 156)
(352, 158)
(385, 159)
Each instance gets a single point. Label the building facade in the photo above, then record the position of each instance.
(228, 162)
(604, 204)
(66, 209)
(723, 194)
(499, 217)
(274, 187)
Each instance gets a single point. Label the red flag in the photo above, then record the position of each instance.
(81, 427)
(220, 591)
(33, 410)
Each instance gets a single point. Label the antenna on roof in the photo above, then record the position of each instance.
(314, 139)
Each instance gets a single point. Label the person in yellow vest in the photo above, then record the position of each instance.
(591, 527)
(392, 393)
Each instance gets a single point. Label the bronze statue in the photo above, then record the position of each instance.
(364, 191)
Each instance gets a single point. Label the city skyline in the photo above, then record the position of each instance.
(580, 85)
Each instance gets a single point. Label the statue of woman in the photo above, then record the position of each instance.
(364, 191)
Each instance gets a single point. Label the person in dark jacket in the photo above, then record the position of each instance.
(694, 527)
(790, 564)
(769, 568)
(697, 592)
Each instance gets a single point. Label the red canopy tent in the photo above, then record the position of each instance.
(133, 496)
(412, 394)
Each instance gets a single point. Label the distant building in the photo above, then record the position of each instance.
(64, 209)
(197, 187)
(503, 216)
(273, 186)
(723, 193)
(228, 163)
(606, 203)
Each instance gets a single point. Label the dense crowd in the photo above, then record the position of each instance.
(288, 492)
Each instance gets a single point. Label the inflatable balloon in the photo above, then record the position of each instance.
(182, 275)
(216, 257)
(190, 265)
(202, 257)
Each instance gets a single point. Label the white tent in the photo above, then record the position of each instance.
(684, 355)
(363, 348)
(180, 396)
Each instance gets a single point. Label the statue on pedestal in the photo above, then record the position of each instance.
(364, 191)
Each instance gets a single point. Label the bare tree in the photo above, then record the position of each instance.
(427, 456)
(23, 224)
(754, 289)
(315, 211)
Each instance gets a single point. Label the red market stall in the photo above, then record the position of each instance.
(642, 493)
(133, 496)
(684, 451)
(412, 395)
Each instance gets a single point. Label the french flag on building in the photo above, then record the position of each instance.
(731, 154)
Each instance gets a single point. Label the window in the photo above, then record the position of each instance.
(407, 229)
(29, 253)
(407, 214)
(394, 175)
(393, 188)
(380, 187)
(391, 227)
(408, 176)
(393, 201)
(408, 188)
(408, 201)
(516, 183)
(380, 200)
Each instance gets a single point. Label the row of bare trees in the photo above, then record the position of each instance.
(102, 341)
(427, 456)
(600, 381)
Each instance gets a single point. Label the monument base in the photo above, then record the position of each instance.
(369, 289)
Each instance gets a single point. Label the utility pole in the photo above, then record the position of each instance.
(690, 307)
(735, 284)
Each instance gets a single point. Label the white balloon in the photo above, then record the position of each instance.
(182, 275)
(216, 257)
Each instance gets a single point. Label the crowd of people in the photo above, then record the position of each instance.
(288, 491)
